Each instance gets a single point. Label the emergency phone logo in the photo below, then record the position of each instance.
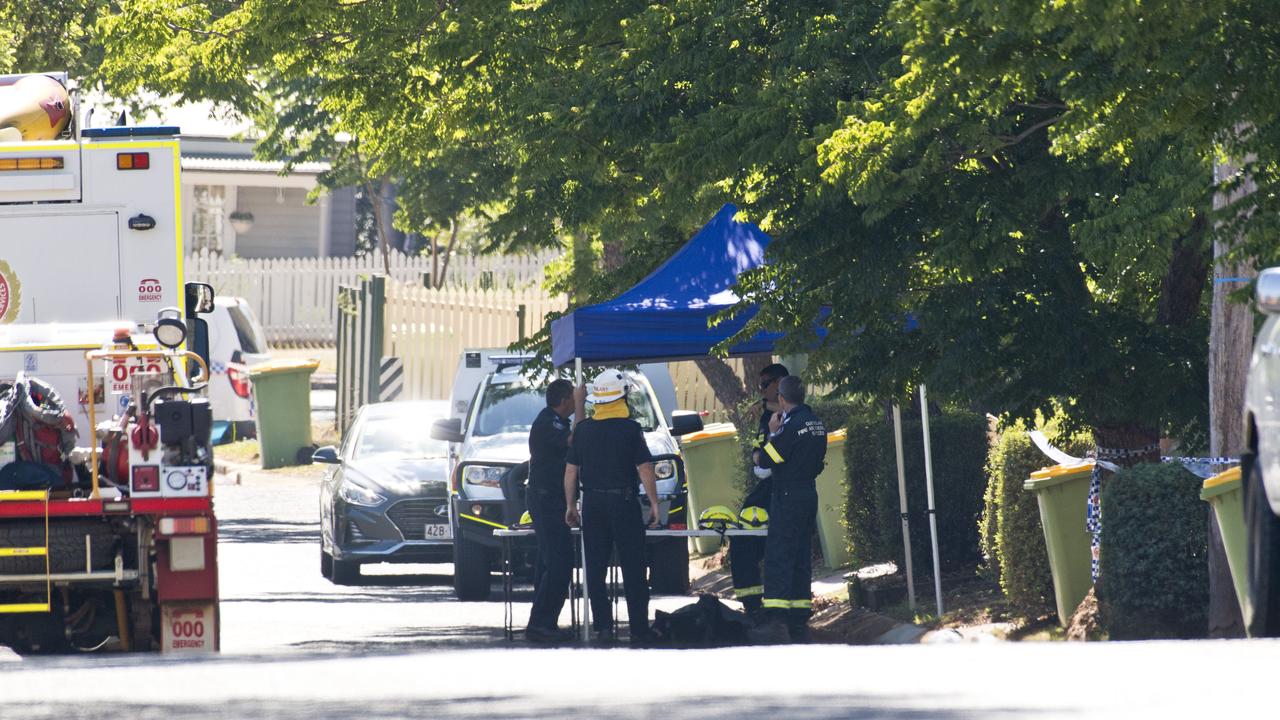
(10, 293)
(149, 290)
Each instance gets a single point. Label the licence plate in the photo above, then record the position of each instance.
(438, 531)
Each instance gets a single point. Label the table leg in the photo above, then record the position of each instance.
(586, 592)
(508, 611)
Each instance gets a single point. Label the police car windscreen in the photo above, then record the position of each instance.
(508, 408)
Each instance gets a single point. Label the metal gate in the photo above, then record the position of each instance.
(360, 333)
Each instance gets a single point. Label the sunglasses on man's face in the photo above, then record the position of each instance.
(764, 384)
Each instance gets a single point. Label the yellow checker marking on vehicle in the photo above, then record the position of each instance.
(25, 608)
(23, 495)
(482, 521)
(22, 551)
(46, 606)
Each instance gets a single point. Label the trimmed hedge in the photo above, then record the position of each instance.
(1012, 534)
(1155, 581)
(872, 514)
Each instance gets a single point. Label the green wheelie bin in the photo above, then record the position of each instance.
(1062, 492)
(1225, 494)
(710, 465)
(282, 398)
(831, 502)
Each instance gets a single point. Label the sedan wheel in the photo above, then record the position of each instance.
(326, 564)
(1264, 559)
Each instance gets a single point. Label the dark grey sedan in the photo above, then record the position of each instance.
(386, 498)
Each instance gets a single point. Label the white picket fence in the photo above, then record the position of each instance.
(295, 298)
(693, 392)
(428, 329)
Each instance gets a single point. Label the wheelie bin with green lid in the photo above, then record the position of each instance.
(1225, 494)
(711, 468)
(1062, 492)
(282, 398)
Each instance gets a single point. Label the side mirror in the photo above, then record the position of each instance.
(199, 298)
(1268, 292)
(449, 430)
(327, 455)
(685, 423)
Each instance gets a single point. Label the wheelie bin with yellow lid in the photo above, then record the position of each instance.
(1062, 492)
(1225, 494)
(711, 467)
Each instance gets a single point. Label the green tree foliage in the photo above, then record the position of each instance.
(38, 36)
(872, 513)
(1012, 534)
(1025, 184)
(1155, 580)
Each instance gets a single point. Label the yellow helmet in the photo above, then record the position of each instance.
(717, 517)
(754, 517)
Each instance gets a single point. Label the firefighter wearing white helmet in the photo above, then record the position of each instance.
(609, 458)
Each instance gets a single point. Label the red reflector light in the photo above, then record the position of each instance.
(133, 161)
(678, 526)
(183, 526)
(146, 478)
(239, 381)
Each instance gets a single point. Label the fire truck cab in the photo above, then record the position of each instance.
(95, 313)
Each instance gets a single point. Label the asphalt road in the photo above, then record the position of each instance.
(296, 646)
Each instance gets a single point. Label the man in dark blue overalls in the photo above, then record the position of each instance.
(746, 553)
(796, 452)
(549, 440)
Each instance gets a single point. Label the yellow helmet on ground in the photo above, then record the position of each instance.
(754, 517)
(717, 517)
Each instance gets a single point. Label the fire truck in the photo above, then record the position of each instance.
(108, 539)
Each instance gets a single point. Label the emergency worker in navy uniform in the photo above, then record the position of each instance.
(795, 452)
(549, 440)
(609, 457)
(746, 553)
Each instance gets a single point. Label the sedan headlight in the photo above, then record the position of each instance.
(664, 469)
(358, 494)
(483, 475)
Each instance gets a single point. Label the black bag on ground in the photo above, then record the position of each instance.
(706, 623)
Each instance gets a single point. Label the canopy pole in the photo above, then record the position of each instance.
(582, 542)
(933, 514)
(902, 507)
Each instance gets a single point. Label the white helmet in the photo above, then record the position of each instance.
(610, 385)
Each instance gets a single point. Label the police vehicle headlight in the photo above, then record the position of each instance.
(483, 475)
(664, 469)
(359, 494)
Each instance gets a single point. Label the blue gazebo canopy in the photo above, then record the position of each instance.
(664, 316)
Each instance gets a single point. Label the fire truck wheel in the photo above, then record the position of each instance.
(67, 547)
(326, 564)
(346, 572)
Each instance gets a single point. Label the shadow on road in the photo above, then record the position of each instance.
(267, 530)
(709, 708)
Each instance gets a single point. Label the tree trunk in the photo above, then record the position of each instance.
(1230, 344)
(448, 252)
